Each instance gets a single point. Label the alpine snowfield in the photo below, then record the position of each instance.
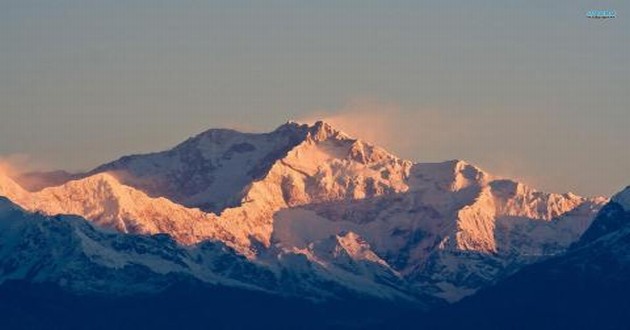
(308, 208)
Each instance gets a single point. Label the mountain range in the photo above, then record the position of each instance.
(304, 216)
(587, 287)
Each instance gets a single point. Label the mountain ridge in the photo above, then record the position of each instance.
(586, 287)
(303, 192)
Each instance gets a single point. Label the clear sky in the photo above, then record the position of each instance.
(528, 89)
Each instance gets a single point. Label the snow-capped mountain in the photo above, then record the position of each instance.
(319, 206)
(587, 287)
(103, 200)
(454, 230)
(209, 171)
(613, 220)
(72, 253)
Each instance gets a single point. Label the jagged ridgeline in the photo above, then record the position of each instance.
(305, 212)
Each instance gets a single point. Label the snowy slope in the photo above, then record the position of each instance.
(454, 230)
(209, 170)
(314, 203)
(69, 252)
(587, 287)
(102, 199)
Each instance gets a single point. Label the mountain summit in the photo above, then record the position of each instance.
(314, 204)
(212, 170)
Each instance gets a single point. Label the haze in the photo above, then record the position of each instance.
(530, 89)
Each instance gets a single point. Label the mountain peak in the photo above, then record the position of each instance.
(460, 166)
(217, 131)
(103, 177)
(465, 174)
(623, 198)
(614, 217)
(363, 214)
(321, 131)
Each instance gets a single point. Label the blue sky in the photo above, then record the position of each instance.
(528, 89)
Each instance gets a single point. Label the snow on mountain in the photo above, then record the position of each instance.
(102, 199)
(9, 188)
(209, 170)
(584, 288)
(611, 222)
(327, 166)
(312, 202)
(70, 252)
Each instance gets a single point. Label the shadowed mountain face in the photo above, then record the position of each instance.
(60, 272)
(585, 288)
(183, 305)
(304, 211)
(209, 171)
